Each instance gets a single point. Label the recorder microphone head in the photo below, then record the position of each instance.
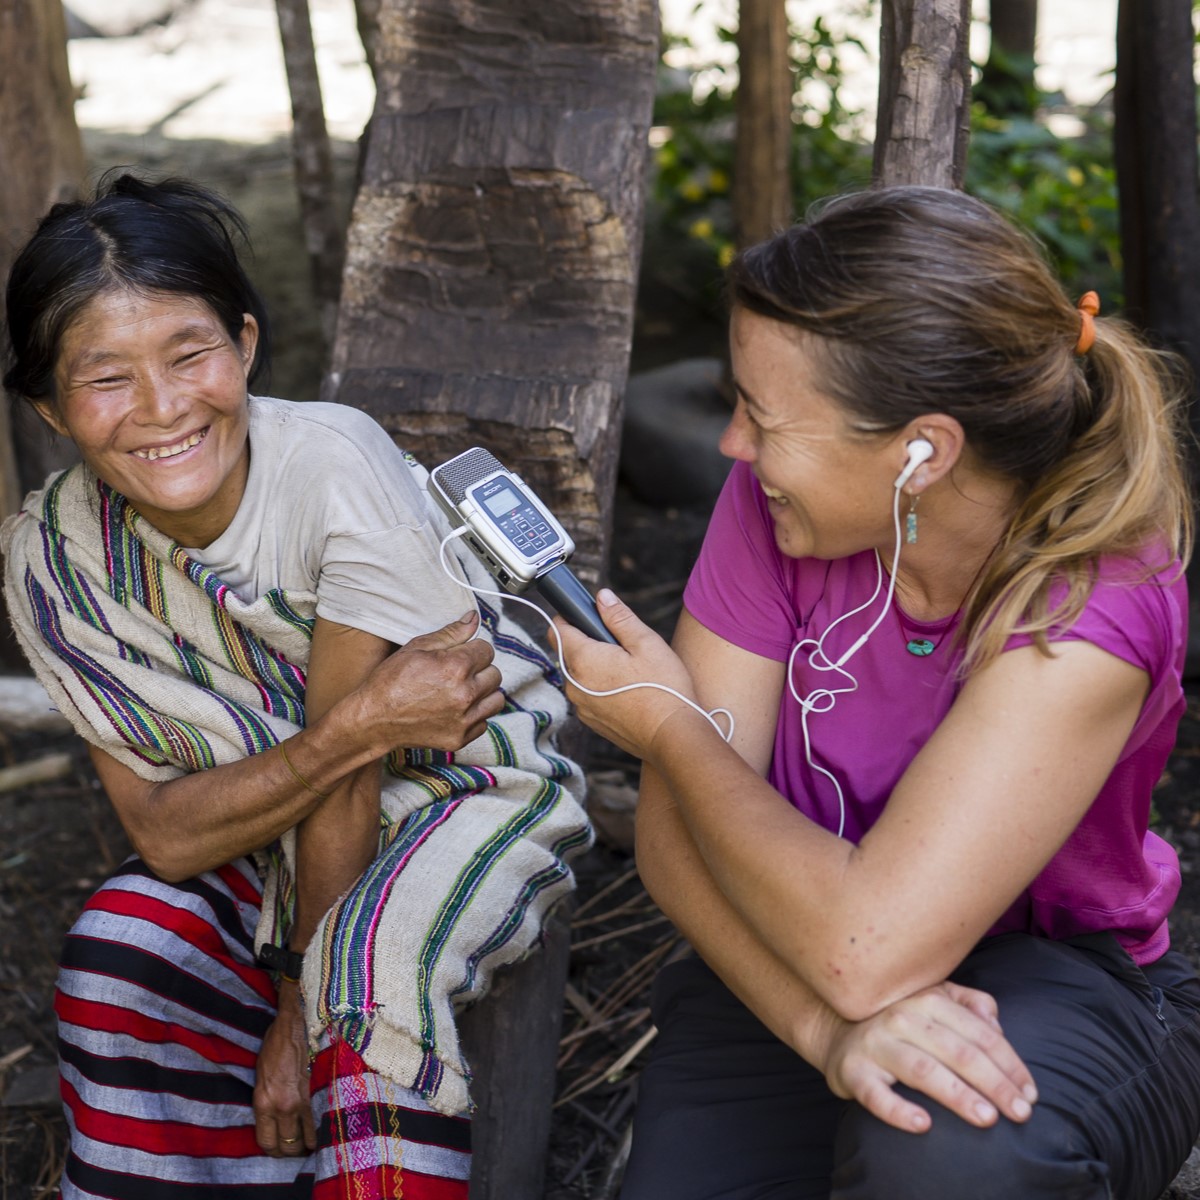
(513, 534)
(456, 476)
(919, 451)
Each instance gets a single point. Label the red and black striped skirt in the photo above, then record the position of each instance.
(161, 1014)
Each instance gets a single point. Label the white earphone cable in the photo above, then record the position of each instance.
(819, 700)
(822, 700)
(709, 716)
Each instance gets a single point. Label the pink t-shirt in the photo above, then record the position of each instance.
(1112, 873)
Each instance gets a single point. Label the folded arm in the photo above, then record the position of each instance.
(436, 691)
(945, 1041)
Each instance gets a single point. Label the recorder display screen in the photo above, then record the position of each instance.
(516, 517)
(503, 502)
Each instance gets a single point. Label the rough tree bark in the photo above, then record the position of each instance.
(43, 162)
(493, 249)
(762, 185)
(312, 160)
(924, 93)
(487, 298)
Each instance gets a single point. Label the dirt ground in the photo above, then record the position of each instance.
(59, 839)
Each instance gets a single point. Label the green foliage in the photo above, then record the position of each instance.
(1063, 188)
(694, 116)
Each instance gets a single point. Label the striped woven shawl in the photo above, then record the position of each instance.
(157, 662)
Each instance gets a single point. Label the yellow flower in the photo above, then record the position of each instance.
(718, 181)
(692, 191)
(702, 229)
(1076, 177)
(725, 257)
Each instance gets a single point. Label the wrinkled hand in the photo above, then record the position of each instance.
(945, 1042)
(283, 1118)
(436, 691)
(633, 719)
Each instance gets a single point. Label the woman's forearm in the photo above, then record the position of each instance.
(781, 874)
(943, 1042)
(678, 879)
(203, 820)
(334, 845)
(362, 701)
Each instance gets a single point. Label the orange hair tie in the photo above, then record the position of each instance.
(1089, 306)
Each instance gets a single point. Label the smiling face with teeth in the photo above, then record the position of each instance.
(829, 487)
(152, 390)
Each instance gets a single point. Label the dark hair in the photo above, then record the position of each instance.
(172, 236)
(924, 300)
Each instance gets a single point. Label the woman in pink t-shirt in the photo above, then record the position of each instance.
(941, 601)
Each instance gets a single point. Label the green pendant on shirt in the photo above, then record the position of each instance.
(920, 647)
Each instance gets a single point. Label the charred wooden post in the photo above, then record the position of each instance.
(762, 183)
(924, 93)
(493, 249)
(1155, 139)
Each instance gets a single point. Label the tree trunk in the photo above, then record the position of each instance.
(924, 93)
(366, 13)
(43, 162)
(312, 160)
(42, 154)
(1014, 26)
(487, 298)
(1157, 173)
(493, 249)
(1154, 133)
(511, 1039)
(1006, 85)
(762, 185)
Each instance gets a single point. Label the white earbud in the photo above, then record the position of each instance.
(919, 451)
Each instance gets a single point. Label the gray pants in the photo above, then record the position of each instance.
(727, 1112)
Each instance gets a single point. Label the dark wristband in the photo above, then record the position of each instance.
(286, 963)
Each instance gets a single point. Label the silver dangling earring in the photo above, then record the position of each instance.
(910, 521)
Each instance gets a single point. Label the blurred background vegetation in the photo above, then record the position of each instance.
(1047, 162)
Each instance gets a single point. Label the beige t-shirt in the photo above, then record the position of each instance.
(333, 507)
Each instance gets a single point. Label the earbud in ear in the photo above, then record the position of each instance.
(919, 451)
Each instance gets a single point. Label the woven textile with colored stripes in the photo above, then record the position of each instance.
(163, 666)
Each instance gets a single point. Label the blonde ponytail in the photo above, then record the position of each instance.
(1120, 490)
